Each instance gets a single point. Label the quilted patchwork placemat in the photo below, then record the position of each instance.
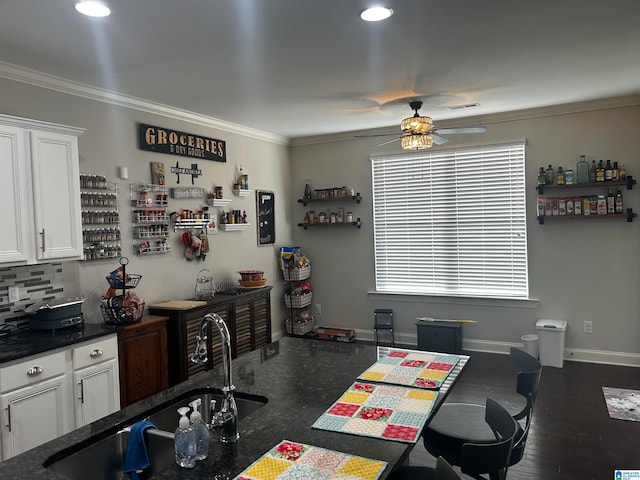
(382, 411)
(297, 461)
(413, 368)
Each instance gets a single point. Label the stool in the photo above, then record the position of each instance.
(383, 320)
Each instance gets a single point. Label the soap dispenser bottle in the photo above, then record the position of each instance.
(185, 441)
(201, 431)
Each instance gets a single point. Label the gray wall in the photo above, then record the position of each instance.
(579, 270)
(110, 141)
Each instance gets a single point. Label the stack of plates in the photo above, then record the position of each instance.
(252, 283)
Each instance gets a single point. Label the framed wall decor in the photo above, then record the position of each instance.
(265, 217)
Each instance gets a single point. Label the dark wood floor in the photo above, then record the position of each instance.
(572, 436)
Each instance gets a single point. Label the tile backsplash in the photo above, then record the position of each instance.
(36, 283)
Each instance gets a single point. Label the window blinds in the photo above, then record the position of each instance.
(451, 222)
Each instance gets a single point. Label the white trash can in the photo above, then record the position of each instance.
(551, 342)
(531, 344)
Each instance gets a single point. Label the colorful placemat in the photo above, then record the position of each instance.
(381, 411)
(412, 368)
(297, 461)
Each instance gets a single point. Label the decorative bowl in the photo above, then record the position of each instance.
(251, 275)
(252, 283)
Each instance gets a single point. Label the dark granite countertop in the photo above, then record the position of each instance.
(32, 342)
(300, 377)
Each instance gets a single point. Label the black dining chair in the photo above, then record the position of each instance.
(476, 459)
(456, 424)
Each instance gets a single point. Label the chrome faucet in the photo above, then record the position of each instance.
(225, 422)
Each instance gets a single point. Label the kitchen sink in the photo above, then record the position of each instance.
(103, 459)
(166, 417)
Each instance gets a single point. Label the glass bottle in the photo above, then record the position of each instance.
(600, 172)
(549, 175)
(592, 171)
(619, 205)
(616, 172)
(608, 172)
(541, 176)
(623, 173)
(582, 170)
(560, 178)
(307, 189)
(611, 202)
(568, 176)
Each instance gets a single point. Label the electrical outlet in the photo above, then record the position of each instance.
(588, 326)
(14, 294)
(317, 308)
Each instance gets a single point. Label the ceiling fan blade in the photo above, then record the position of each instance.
(388, 141)
(449, 131)
(375, 135)
(438, 140)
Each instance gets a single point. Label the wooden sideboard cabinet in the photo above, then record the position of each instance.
(248, 318)
(142, 354)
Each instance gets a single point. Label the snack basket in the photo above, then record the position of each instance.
(114, 311)
(298, 326)
(298, 301)
(297, 273)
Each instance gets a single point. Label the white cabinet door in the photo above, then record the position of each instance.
(97, 392)
(34, 415)
(16, 239)
(56, 195)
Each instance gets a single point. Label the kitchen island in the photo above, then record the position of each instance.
(300, 377)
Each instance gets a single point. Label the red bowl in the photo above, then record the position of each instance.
(251, 275)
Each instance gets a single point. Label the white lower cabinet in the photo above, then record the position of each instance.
(37, 393)
(95, 389)
(34, 415)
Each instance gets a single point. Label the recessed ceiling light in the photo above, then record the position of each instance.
(93, 8)
(375, 14)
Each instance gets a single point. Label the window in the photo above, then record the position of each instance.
(451, 222)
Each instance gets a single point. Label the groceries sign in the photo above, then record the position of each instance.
(174, 142)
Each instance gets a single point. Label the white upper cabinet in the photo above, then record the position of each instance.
(41, 193)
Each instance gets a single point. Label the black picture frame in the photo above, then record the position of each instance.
(265, 217)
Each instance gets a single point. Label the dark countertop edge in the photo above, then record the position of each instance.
(42, 341)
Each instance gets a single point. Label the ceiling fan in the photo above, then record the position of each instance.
(419, 132)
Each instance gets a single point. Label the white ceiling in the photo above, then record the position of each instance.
(300, 67)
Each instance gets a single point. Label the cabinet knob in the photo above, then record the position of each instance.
(34, 371)
(96, 353)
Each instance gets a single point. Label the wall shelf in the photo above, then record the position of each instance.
(629, 216)
(355, 198)
(628, 183)
(100, 218)
(242, 193)
(218, 202)
(234, 227)
(356, 224)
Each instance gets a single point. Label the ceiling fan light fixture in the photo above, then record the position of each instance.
(416, 142)
(93, 8)
(376, 14)
(417, 124)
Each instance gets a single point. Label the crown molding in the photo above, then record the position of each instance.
(527, 114)
(20, 74)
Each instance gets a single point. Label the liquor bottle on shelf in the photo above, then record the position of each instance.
(616, 172)
(600, 172)
(582, 170)
(608, 172)
(550, 175)
(569, 179)
(623, 172)
(541, 176)
(560, 178)
(619, 206)
(611, 202)
(593, 171)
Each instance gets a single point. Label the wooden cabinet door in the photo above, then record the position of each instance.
(16, 239)
(97, 392)
(56, 195)
(142, 358)
(34, 415)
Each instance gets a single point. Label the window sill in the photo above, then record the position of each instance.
(458, 300)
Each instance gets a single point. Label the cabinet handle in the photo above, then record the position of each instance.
(43, 247)
(9, 416)
(33, 371)
(81, 391)
(96, 353)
